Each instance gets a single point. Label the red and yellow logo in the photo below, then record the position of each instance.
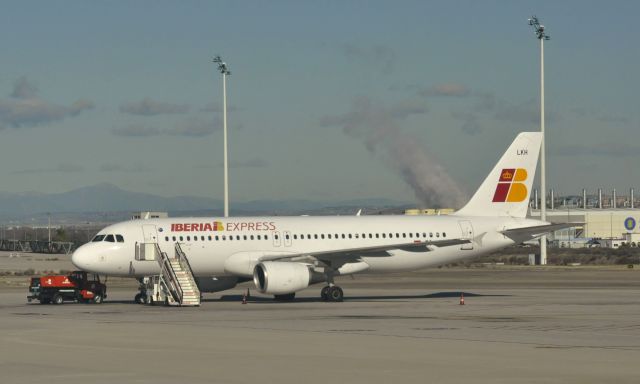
(510, 189)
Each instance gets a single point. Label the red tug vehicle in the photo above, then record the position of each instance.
(73, 287)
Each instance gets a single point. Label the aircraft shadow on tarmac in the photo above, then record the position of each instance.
(270, 300)
(436, 295)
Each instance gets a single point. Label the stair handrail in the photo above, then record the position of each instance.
(165, 265)
(186, 265)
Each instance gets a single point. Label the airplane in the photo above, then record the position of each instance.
(284, 255)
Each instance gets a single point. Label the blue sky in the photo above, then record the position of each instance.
(330, 100)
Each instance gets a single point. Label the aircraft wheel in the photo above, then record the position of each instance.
(335, 294)
(324, 293)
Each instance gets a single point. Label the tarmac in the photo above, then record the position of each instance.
(518, 325)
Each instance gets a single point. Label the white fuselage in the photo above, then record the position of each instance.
(212, 245)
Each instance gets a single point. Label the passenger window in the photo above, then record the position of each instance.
(188, 238)
(295, 237)
(343, 235)
(315, 236)
(259, 237)
(119, 239)
(195, 238)
(217, 238)
(202, 238)
(437, 234)
(384, 235)
(166, 238)
(266, 237)
(251, 237)
(98, 238)
(430, 234)
(286, 236)
(244, 237)
(110, 239)
(238, 237)
(173, 238)
(444, 234)
(276, 237)
(181, 238)
(404, 235)
(209, 238)
(377, 235)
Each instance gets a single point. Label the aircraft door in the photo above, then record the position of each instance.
(287, 238)
(467, 234)
(150, 239)
(276, 239)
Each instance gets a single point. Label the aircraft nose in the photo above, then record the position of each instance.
(81, 258)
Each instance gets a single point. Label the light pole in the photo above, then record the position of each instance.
(542, 36)
(224, 69)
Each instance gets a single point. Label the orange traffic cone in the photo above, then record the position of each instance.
(461, 298)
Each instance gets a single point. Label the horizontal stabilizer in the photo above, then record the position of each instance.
(520, 235)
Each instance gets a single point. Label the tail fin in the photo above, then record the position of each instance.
(506, 191)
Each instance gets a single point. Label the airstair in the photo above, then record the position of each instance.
(175, 285)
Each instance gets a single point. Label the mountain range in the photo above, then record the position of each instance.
(107, 198)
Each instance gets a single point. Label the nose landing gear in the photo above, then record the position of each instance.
(141, 297)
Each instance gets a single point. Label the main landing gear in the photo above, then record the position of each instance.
(332, 293)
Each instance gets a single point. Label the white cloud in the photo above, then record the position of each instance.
(26, 109)
(149, 107)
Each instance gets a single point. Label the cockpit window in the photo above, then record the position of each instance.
(98, 238)
(110, 239)
(120, 239)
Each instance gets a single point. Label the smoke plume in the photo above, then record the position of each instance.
(377, 126)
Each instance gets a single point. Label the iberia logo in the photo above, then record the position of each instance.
(218, 226)
(510, 189)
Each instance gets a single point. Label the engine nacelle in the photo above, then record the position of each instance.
(279, 278)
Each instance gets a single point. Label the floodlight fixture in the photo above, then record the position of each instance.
(539, 28)
(222, 66)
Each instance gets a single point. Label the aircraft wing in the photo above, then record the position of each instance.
(346, 253)
(520, 235)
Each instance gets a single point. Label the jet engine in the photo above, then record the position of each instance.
(279, 278)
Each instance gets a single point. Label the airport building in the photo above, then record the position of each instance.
(606, 220)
